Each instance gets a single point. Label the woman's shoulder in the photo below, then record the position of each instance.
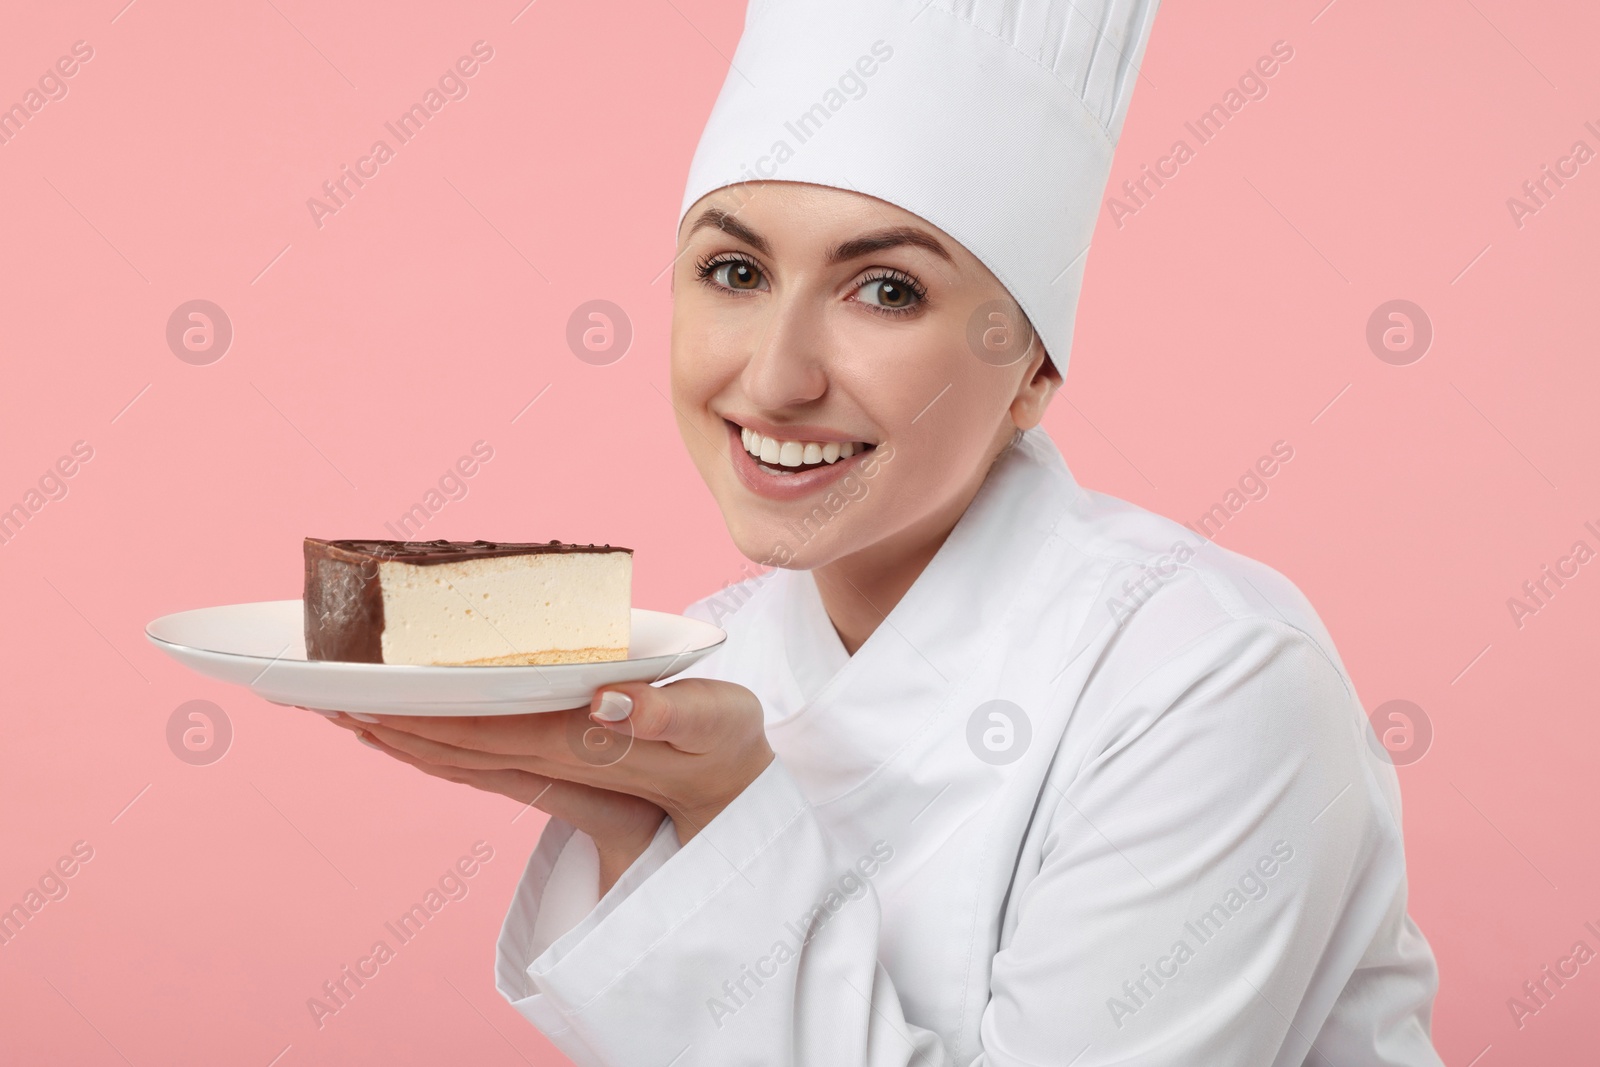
(1159, 597)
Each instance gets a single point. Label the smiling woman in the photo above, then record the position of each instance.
(822, 321)
(1067, 793)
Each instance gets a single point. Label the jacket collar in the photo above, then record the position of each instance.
(857, 711)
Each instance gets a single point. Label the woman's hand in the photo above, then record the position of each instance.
(622, 826)
(687, 748)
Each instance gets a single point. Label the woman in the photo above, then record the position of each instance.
(991, 769)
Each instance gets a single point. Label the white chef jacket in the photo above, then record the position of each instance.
(1081, 798)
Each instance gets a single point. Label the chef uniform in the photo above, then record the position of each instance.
(1096, 791)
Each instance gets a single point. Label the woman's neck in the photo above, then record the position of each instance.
(859, 590)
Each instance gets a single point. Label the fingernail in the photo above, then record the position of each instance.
(366, 739)
(361, 718)
(614, 707)
(325, 714)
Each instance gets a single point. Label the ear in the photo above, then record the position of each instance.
(1039, 384)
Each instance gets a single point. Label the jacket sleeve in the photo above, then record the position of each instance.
(1227, 804)
(729, 954)
(558, 890)
(1224, 859)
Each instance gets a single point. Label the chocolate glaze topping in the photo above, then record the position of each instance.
(423, 553)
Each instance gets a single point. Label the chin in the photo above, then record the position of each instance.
(770, 543)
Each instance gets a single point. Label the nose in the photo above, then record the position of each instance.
(787, 367)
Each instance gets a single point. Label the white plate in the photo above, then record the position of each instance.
(262, 646)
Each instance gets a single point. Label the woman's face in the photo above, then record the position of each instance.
(829, 323)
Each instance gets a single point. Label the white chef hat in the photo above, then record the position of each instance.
(995, 120)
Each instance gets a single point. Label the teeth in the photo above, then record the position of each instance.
(770, 450)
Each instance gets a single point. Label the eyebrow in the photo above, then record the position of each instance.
(875, 241)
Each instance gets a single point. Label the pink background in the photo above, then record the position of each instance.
(1228, 313)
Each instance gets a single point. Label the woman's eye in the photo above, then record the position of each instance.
(890, 293)
(736, 274)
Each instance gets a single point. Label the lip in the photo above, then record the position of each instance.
(786, 486)
(800, 431)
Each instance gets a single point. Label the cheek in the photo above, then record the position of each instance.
(934, 459)
(695, 372)
(705, 354)
(939, 408)
(701, 369)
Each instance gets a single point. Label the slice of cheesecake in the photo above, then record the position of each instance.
(466, 603)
